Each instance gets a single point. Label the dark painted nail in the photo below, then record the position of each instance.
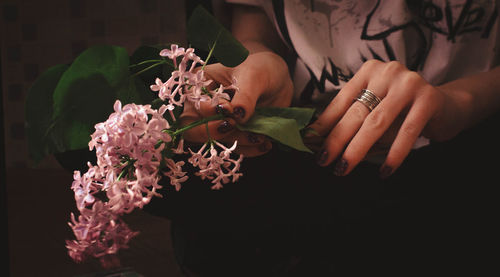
(385, 171)
(253, 138)
(230, 92)
(220, 109)
(321, 157)
(340, 167)
(239, 112)
(224, 127)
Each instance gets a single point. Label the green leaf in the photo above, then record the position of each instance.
(301, 115)
(283, 130)
(86, 92)
(203, 31)
(38, 110)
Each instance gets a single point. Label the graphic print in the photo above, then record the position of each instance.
(381, 23)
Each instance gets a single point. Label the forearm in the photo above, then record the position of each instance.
(475, 97)
(251, 26)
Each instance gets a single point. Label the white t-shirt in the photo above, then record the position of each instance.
(441, 39)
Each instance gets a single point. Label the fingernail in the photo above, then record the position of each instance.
(253, 138)
(230, 92)
(224, 127)
(239, 112)
(340, 167)
(321, 157)
(385, 171)
(220, 109)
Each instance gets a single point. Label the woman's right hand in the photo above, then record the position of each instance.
(263, 80)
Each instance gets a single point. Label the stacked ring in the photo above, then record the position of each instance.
(368, 98)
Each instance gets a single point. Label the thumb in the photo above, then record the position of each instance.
(251, 85)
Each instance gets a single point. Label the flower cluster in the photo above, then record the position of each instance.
(187, 84)
(218, 167)
(134, 149)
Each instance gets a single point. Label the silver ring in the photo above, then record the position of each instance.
(368, 98)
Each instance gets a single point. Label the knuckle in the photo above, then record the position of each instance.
(320, 126)
(376, 119)
(358, 112)
(370, 64)
(432, 97)
(393, 68)
(410, 129)
(412, 79)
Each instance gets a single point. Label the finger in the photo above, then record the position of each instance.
(254, 85)
(256, 150)
(347, 128)
(209, 108)
(343, 101)
(418, 116)
(245, 138)
(245, 98)
(219, 73)
(249, 90)
(217, 129)
(376, 124)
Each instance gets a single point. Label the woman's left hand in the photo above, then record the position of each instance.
(409, 107)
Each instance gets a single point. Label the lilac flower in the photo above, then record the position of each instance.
(98, 232)
(133, 146)
(176, 175)
(174, 52)
(129, 132)
(84, 186)
(180, 148)
(218, 167)
(128, 148)
(186, 83)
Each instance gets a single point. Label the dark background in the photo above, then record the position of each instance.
(437, 215)
(37, 200)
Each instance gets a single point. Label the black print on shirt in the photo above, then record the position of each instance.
(429, 18)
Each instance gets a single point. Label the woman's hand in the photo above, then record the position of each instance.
(262, 79)
(409, 107)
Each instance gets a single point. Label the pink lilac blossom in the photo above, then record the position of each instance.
(174, 52)
(187, 84)
(176, 174)
(129, 142)
(98, 232)
(129, 132)
(218, 167)
(129, 149)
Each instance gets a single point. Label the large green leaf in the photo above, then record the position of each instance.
(39, 112)
(283, 130)
(204, 31)
(301, 115)
(86, 92)
(282, 124)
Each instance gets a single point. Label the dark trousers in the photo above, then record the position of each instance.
(289, 217)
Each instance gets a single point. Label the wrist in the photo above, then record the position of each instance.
(254, 46)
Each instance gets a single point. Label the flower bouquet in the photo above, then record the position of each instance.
(126, 110)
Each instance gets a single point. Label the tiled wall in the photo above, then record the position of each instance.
(38, 34)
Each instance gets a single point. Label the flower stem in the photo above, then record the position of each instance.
(144, 62)
(211, 51)
(148, 68)
(198, 123)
